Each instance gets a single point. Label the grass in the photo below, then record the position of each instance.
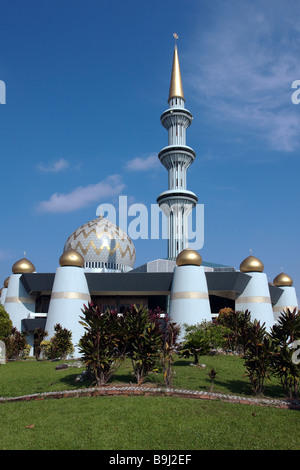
(28, 377)
(145, 423)
(141, 423)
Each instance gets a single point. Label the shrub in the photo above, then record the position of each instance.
(46, 351)
(142, 331)
(39, 335)
(15, 344)
(61, 342)
(283, 334)
(258, 356)
(103, 344)
(5, 324)
(59, 346)
(169, 345)
(196, 341)
(237, 324)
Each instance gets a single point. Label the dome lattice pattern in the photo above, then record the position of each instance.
(103, 245)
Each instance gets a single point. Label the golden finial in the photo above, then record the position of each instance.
(176, 90)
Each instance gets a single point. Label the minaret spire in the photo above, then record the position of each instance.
(176, 89)
(177, 203)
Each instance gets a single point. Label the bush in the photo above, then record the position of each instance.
(103, 344)
(15, 344)
(258, 357)
(143, 334)
(46, 351)
(283, 334)
(237, 324)
(39, 335)
(59, 346)
(169, 345)
(5, 324)
(196, 341)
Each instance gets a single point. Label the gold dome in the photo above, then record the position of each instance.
(189, 257)
(71, 258)
(283, 280)
(23, 266)
(252, 264)
(6, 282)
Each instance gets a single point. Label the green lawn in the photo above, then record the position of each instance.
(145, 423)
(141, 423)
(27, 377)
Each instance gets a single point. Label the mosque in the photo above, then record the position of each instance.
(98, 262)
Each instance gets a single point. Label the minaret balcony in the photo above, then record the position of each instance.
(175, 197)
(176, 116)
(175, 155)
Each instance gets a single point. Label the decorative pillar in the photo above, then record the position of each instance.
(256, 296)
(288, 298)
(18, 303)
(69, 293)
(189, 302)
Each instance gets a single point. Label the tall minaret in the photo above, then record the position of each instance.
(177, 203)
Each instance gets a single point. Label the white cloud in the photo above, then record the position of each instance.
(83, 196)
(143, 164)
(243, 66)
(54, 167)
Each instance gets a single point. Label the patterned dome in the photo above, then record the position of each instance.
(103, 245)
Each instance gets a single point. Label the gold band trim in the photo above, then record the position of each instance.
(129, 293)
(70, 295)
(20, 300)
(189, 295)
(253, 300)
(281, 309)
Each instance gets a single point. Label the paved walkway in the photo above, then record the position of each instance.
(146, 391)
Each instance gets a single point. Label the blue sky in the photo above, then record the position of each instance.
(86, 83)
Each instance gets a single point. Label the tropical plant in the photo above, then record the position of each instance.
(59, 346)
(284, 333)
(196, 342)
(142, 331)
(257, 359)
(5, 323)
(39, 335)
(237, 324)
(103, 344)
(61, 342)
(168, 349)
(15, 344)
(46, 350)
(212, 375)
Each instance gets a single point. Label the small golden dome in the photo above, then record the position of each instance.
(283, 280)
(189, 257)
(6, 282)
(71, 258)
(23, 266)
(251, 264)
